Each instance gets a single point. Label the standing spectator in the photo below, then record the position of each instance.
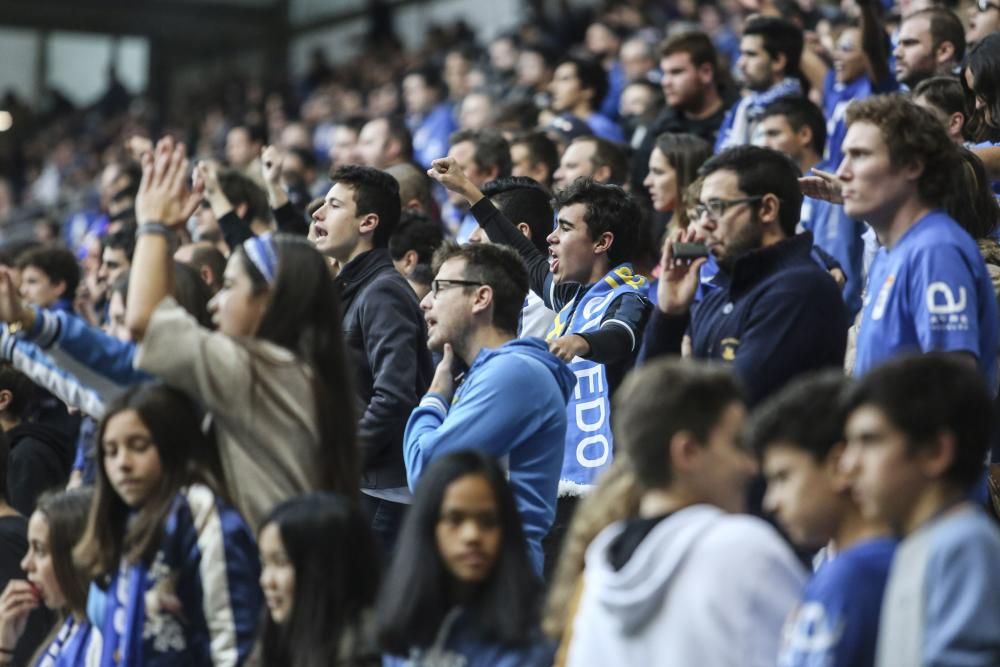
(931, 42)
(428, 114)
(917, 433)
(384, 142)
(511, 403)
(461, 589)
(243, 144)
(593, 158)
(412, 246)
(663, 588)
(484, 156)
(578, 87)
(534, 155)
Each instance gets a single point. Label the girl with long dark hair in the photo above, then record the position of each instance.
(178, 565)
(53, 580)
(273, 377)
(461, 588)
(320, 577)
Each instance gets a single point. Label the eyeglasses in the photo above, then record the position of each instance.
(986, 5)
(438, 285)
(716, 208)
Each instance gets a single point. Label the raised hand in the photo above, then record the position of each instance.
(678, 277)
(163, 191)
(822, 185)
(12, 308)
(271, 160)
(447, 172)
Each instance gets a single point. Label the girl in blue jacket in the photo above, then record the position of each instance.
(53, 580)
(461, 588)
(179, 564)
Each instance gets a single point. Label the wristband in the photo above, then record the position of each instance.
(159, 229)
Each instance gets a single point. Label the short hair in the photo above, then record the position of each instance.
(22, 389)
(492, 150)
(413, 184)
(241, 189)
(779, 36)
(665, 397)
(307, 157)
(762, 171)
(927, 395)
(123, 240)
(608, 209)
(206, 254)
(541, 149)
(944, 93)
(608, 154)
(696, 44)
(397, 130)
(945, 26)
(374, 192)
(255, 131)
(522, 199)
(419, 233)
(911, 134)
(800, 112)
(57, 263)
(592, 77)
(4, 463)
(497, 266)
(430, 75)
(790, 418)
(519, 116)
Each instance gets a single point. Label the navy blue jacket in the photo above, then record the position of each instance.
(777, 315)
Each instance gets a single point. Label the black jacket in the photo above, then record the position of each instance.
(40, 460)
(386, 339)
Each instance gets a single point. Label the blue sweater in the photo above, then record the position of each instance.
(511, 405)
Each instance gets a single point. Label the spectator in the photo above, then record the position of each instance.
(692, 88)
(320, 576)
(477, 111)
(931, 43)
(165, 542)
(414, 190)
(836, 622)
(206, 259)
(344, 145)
(774, 308)
(484, 156)
(983, 20)
(534, 155)
(116, 258)
(384, 142)
(917, 433)
(428, 114)
(461, 589)
(515, 390)
(243, 144)
(412, 247)
(49, 277)
(594, 158)
(579, 86)
(383, 327)
(55, 581)
(665, 586)
(640, 103)
(943, 96)
(673, 166)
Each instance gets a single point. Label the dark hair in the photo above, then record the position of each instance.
(913, 134)
(518, 115)
(944, 93)
(762, 171)
(307, 157)
(800, 112)
(609, 209)
(331, 548)
(498, 267)
(123, 240)
(974, 206)
(413, 183)
(430, 75)
(241, 189)
(492, 150)
(945, 26)
(416, 596)
(984, 63)
(522, 199)
(779, 36)
(927, 395)
(207, 255)
(541, 149)
(192, 293)
(697, 45)
(592, 76)
(255, 132)
(685, 153)
(396, 130)
(114, 531)
(608, 154)
(4, 463)
(57, 263)
(66, 514)
(304, 316)
(22, 389)
(374, 192)
(791, 418)
(419, 233)
(662, 398)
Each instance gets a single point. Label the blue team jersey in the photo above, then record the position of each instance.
(931, 292)
(841, 237)
(836, 622)
(836, 98)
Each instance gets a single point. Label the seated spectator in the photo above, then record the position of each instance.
(320, 572)
(461, 589)
(593, 158)
(664, 587)
(917, 433)
(412, 246)
(515, 390)
(836, 623)
(49, 278)
(579, 86)
(170, 554)
(54, 581)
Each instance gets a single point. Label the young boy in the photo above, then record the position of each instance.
(917, 433)
(836, 623)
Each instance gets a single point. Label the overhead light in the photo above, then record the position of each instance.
(6, 121)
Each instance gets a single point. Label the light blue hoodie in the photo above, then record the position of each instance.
(511, 405)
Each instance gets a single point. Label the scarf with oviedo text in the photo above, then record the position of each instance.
(589, 443)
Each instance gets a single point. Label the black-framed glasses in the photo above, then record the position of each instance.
(716, 208)
(438, 285)
(986, 5)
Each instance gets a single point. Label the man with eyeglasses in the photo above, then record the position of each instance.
(984, 19)
(511, 402)
(775, 313)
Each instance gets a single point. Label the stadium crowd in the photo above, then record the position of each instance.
(650, 334)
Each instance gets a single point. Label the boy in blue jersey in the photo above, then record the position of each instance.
(928, 287)
(836, 622)
(917, 431)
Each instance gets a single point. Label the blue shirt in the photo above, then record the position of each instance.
(931, 292)
(836, 623)
(841, 237)
(836, 98)
(430, 134)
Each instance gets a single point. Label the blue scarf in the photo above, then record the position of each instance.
(70, 647)
(589, 443)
